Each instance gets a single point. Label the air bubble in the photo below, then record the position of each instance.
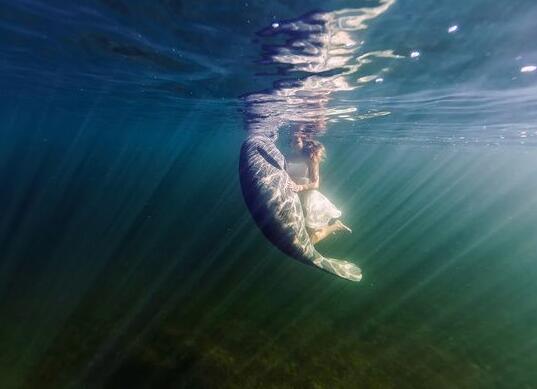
(528, 69)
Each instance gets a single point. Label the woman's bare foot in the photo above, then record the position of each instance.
(342, 227)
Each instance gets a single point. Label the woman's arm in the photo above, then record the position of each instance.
(314, 174)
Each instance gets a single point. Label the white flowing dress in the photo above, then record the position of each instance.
(318, 210)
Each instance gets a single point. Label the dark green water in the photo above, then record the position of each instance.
(129, 259)
(138, 266)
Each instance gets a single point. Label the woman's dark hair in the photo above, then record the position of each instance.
(314, 149)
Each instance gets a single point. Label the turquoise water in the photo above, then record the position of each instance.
(128, 258)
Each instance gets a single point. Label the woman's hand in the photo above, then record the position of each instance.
(294, 187)
(301, 188)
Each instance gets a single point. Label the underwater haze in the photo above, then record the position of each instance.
(128, 257)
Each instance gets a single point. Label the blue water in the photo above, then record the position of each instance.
(129, 259)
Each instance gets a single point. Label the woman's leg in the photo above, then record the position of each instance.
(342, 226)
(321, 233)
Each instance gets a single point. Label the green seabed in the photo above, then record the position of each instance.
(289, 345)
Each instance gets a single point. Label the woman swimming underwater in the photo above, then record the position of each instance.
(321, 216)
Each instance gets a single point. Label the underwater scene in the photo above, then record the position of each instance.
(268, 194)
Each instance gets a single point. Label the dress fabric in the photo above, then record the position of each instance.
(318, 210)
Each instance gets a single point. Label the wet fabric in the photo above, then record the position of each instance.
(318, 209)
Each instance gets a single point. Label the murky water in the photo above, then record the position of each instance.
(129, 259)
